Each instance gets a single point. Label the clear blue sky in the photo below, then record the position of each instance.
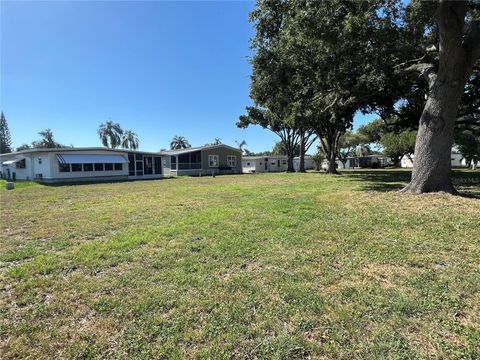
(158, 68)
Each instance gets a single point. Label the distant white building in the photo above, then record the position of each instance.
(272, 163)
(457, 161)
(369, 161)
(309, 163)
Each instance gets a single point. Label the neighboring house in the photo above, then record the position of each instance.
(457, 161)
(205, 160)
(309, 163)
(273, 163)
(83, 164)
(259, 164)
(369, 161)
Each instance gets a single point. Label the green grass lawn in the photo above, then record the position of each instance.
(267, 266)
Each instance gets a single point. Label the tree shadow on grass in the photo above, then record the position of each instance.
(466, 182)
(380, 180)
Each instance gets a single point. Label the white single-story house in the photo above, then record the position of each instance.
(273, 163)
(68, 165)
(205, 160)
(368, 161)
(457, 160)
(309, 163)
(259, 164)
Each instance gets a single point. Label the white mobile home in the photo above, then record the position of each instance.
(368, 161)
(64, 165)
(259, 164)
(273, 163)
(457, 161)
(309, 163)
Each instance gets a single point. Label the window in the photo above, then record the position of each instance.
(39, 160)
(284, 162)
(21, 164)
(87, 167)
(76, 167)
(213, 160)
(98, 167)
(196, 157)
(248, 164)
(231, 160)
(173, 161)
(139, 157)
(148, 165)
(118, 167)
(63, 167)
(108, 167)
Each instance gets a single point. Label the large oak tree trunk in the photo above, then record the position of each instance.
(290, 163)
(332, 164)
(457, 55)
(432, 162)
(301, 166)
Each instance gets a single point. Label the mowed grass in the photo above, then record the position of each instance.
(267, 266)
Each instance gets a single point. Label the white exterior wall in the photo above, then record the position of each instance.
(309, 163)
(253, 165)
(277, 163)
(42, 163)
(56, 174)
(456, 161)
(20, 174)
(48, 167)
(257, 164)
(325, 164)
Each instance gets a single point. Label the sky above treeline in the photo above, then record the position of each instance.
(157, 68)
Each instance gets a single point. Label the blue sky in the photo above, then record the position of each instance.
(158, 68)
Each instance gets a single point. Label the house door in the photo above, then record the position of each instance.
(147, 165)
(158, 165)
(266, 164)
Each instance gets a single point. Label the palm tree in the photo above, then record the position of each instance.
(130, 140)
(241, 145)
(47, 140)
(110, 134)
(179, 142)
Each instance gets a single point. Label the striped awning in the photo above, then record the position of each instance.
(13, 161)
(91, 159)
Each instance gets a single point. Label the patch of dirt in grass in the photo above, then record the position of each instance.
(250, 266)
(387, 275)
(347, 282)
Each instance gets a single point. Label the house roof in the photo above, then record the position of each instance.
(260, 157)
(73, 149)
(272, 157)
(198, 148)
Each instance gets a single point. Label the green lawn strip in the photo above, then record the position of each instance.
(234, 267)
